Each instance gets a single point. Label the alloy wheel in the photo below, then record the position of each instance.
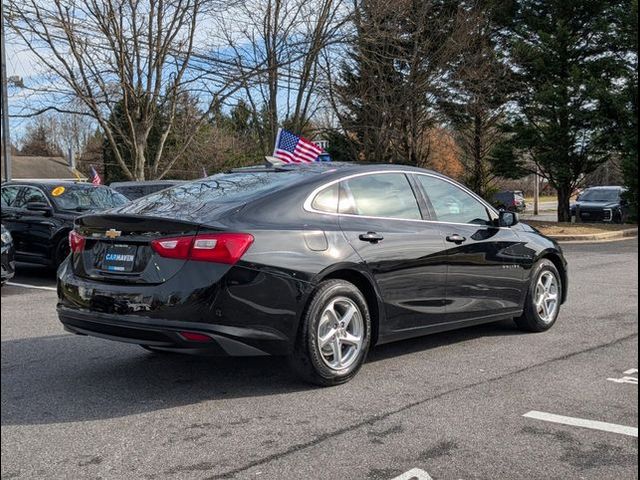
(340, 333)
(547, 296)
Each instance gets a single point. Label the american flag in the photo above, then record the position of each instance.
(291, 148)
(95, 178)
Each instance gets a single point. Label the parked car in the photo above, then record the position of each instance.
(601, 204)
(40, 215)
(8, 254)
(135, 190)
(318, 262)
(511, 201)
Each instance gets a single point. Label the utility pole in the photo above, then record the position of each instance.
(536, 192)
(6, 140)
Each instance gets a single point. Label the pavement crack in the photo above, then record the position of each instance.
(371, 421)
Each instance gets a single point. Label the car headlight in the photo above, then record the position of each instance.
(6, 237)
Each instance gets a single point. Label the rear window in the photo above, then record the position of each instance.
(132, 192)
(221, 188)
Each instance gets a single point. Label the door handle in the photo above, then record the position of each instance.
(457, 239)
(371, 237)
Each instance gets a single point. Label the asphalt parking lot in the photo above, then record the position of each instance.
(483, 403)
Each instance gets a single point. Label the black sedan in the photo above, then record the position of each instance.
(40, 215)
(316, 262)
(135, 190)
(601, 204)
(8, 255)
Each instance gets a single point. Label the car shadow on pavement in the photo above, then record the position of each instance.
(413, 345)
(68, 378)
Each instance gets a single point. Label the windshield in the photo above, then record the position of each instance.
(600, 195)
(89, 197)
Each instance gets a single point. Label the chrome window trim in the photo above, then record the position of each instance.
(309, 200)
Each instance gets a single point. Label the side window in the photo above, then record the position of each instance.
(452, 204)
(326, 200)
(30, 194)
(387, 195)
(9, 194)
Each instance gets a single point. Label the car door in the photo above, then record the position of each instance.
(485, 263)
(34, 229)
(9, 196)
(381, 218)
(10, 213)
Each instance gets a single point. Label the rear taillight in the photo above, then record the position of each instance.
(76, 241)
(196, 337)
(219, 247)
(173, 247)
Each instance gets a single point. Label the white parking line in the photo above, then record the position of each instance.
(627, 377)
(582, 422)
(36, 287)
(414, 474)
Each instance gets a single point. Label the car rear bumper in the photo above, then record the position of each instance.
(246, 312)
(223, 340)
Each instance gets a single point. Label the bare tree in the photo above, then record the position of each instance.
(122, 59)
(57, 133)
(283, 40)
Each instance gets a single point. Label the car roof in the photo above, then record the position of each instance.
(136, 183)
(50, 183)
(342, 168)
(606, 187)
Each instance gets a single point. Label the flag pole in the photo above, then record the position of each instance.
(275, 145)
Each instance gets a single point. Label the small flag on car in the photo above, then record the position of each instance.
(291, 148)
(95, 178)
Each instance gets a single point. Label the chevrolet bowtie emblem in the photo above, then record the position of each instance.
(113, 233)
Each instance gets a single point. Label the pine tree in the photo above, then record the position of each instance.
(564, 62)
(389, 82)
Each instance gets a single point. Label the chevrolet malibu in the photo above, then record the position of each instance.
(317, 262)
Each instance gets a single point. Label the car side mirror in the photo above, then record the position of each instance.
(508, 219)
(40, 207)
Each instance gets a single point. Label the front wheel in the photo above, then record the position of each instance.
(334, 336)
(62, 251)
(542, 305)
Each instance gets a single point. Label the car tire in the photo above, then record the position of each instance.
(337, 314)
(62, 251)
(544, 298)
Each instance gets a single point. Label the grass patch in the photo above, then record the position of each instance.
(545, 198)
(555, 228)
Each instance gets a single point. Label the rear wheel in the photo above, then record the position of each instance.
(334, 337)
(543, 299)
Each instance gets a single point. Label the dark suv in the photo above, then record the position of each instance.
(601, 204)
(512, 201)
(40, 215)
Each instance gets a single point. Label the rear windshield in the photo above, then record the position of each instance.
(219, 189)
(89, 197)
(133, 192)
(600, 195)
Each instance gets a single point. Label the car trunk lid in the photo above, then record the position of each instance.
(117, 248)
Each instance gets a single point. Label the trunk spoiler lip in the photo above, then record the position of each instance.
(98, 220)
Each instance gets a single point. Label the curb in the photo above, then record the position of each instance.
(597, 237)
